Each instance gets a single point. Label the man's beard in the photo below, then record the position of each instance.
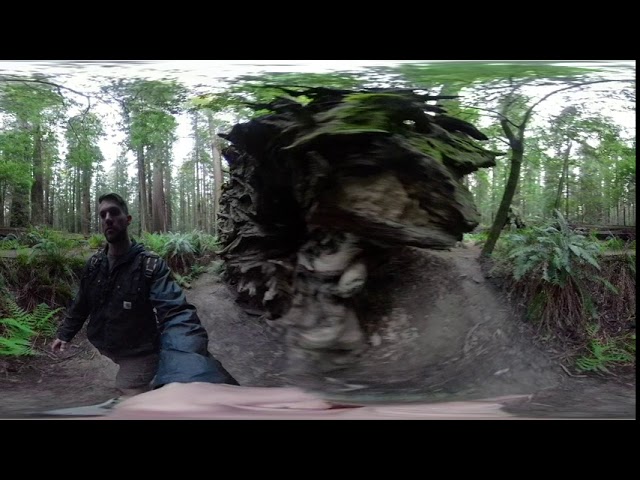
(116, 237)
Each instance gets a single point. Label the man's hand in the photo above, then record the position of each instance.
(59, 345)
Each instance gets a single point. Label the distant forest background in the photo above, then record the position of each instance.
(559, 129)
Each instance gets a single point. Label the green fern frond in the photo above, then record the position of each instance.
(564, 226)
(16, 312)
(591, 364)
(583, 254)
(605, 352)
(15, 346)
(632, 264)
(592, 329)
(17, 328)
(43, 321)
(607, 284)
(42, 315)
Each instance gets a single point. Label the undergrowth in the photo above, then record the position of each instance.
(573, 291)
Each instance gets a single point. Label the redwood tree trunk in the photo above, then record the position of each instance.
(37, 190)
(86, 202)
(217, 173)
(142, 187)
(158, 206)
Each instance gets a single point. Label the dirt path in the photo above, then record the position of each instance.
(446, 336)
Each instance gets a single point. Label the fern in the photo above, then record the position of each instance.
(555, 268)
(179, 253)
(603, 352)
(551, 251)
(17, 328)
(601, 356)
(97, 241)
(18, 332)
(42, 315)
(607, 284)
(15, 346)
(21, 327)
(154, 242)
(584, 254)
(203, 243)
(9, 244)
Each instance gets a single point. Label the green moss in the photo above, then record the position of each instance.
(361, 113)
(458, 153)
(403, 115)
(426, 145)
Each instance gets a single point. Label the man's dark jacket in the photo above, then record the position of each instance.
(120, 305)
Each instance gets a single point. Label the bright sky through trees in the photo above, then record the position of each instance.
(86, 76)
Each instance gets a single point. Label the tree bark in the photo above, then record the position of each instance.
(142, 190)
(566, 197)
(168, 200)
(48, 201)
(86, 202)
(37, 192)
(78, 201)
(3, 190)
(563, 174)
(517, 154)
(19, 216)
(158, 206)
(217, 172)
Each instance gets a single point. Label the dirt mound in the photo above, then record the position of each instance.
(33, 384)
(443, 334)
(435, 330)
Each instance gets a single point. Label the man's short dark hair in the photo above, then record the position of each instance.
(114, 197)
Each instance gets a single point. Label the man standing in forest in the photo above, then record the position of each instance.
(139, 317)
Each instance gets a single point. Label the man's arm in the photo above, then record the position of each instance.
(184, 356)
(77, 312)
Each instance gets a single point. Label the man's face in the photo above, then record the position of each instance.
(114, 221)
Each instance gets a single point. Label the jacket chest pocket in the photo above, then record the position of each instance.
(128, 291)
(128, 296)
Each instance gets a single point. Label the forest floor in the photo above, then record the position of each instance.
(499, 355)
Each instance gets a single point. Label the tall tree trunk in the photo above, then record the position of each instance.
(149, 175)
(77, 208)
(86, 202)
(203, 197)
(19, 215)
(3, 189)
(97, 213)
(521, 189)
(566, 197)
(563, 176)
(142, 191)
(183, 206)
(37, 193)
(158, 206)
(168, 198)
(196, 167)
(198, 213)
(517, 154)
(48, 204)
(217, 172)
(494, 190)
(190, 209)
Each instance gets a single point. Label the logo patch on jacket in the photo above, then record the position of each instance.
(126, 305)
